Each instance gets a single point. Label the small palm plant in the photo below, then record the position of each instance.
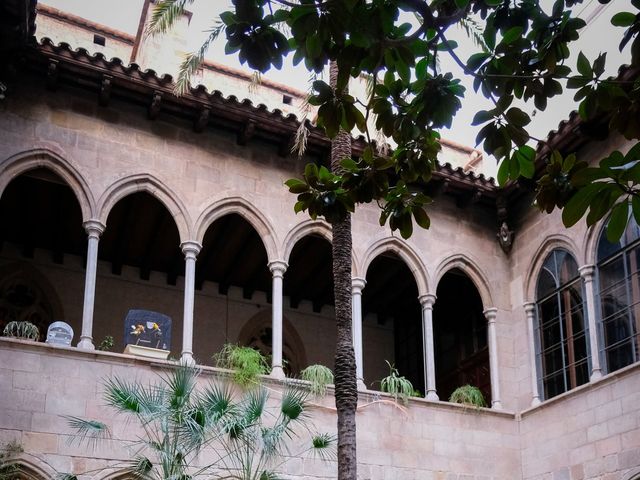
(468, 395)
(396, 385)
(319, 376)
(178, 420)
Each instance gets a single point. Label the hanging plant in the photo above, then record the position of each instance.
(23, 330)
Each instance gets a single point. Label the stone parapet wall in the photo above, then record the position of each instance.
(40, 384)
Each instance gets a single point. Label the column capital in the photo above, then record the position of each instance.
(529, 308)
(94, 228)
(278, 267)
(190, 248)
(587, 272)
(490, 314)
(357, 284)
(427, 300)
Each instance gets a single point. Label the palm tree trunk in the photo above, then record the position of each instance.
(346, 393)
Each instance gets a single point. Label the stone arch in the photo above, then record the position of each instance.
(45, 299)
(145, 182)
(470, 268)
(114, 474)
(406, 253)
(633, 474)
(45, 158)
(590, 246)
(292, 344)
(311, 227)
(30, 467)
(531, 273)
(248, 212)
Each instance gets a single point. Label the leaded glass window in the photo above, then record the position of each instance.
(562, 354)
(619, 297)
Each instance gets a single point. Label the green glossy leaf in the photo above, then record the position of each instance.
(511, 35)
(421, 217)
(635, 207)
(618, 221)
(623, 19)
(576, 207)
(584, 67)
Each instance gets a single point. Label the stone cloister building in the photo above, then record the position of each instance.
(116, 195)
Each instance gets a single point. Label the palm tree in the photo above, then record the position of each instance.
(247, 438)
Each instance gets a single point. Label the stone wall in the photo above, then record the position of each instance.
(421, 440)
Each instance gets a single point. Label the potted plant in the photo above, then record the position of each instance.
(469, 396)
(22, 330)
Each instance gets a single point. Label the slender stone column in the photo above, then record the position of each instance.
(190, 250)
(427, 302)
(530, 309)
(490, 314)
(94, 229)
(586, 272)
(277, 267)
(357, 284)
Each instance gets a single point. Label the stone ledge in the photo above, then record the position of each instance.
(367, 396)
(587, 387)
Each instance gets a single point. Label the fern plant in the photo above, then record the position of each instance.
(247, 363)
(468, 395)
(396, 385)
(24, 330)
(319, 376)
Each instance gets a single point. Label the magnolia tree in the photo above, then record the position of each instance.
(524, 55)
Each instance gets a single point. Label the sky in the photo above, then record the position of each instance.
(598, 36)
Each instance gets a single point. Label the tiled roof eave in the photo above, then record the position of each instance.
(132, 83)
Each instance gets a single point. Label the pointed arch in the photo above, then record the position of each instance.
(470, 268)
(248, 212)
(308, 227)
(31, 467)
(406, 253)
(590, 245)
(551, 243)
(45, 158)
(146, 182)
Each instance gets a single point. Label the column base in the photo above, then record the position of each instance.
(433, 396)
(595, 375)
(361, 385)
(497, 405)
(187, 359)
(86, 343)
(277, 372)
(535, 401)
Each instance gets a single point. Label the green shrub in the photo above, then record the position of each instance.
(247, 363)
(396, 385)
(24, 330)
(106, 344)
(468, 395)
(319, 376)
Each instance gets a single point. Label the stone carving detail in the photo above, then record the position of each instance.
(60, 333)
(505, 237)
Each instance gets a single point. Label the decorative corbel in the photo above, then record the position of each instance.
(504, 235)
(201, 120)
(105, 91)
(154, 107)
(246, 132)
(52, 74)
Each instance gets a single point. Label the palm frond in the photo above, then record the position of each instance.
(293, 404)
(475, 32)
(193, 60)
(269, 475)
(132, 397)
(217, 401)
(165, 14)
(253, 405)
(324, 446)
(140, 467)
(90, 431)
(180, 384)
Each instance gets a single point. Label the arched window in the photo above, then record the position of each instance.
(562, 355)
(618, 265)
